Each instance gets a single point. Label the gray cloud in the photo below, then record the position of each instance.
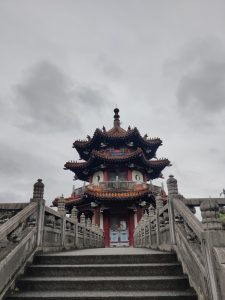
(109, 68)
(203, 90)
(200, 71)
(48, 100)
(16, 162)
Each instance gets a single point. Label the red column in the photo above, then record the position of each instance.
(131, 228)
(145, 178)
(129, 175)
(139, 213)
(106, 229)
(97, 215)
(105, 175)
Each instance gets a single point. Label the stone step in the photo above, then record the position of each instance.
(119, 283)
(104, 259)
(151, 269)
(106, 295)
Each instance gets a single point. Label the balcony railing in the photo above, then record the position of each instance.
(123, 186)
(118, 186)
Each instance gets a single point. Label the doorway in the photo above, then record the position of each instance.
(119, 230)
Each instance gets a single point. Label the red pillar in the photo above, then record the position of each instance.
(129, 175)
(97, 215)
(131, 228)
(105, 175)
(106, 229)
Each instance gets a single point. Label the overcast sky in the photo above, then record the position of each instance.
(65, 65)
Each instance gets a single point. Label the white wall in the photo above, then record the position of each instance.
(97, 177)
(137, 176)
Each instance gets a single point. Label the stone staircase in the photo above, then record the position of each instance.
(141, 274)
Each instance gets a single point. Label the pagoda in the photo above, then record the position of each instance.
(118, 166)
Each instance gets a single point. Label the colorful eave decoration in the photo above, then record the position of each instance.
(117, 136)
(102, 159)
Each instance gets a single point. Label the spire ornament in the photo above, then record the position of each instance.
(116, 117)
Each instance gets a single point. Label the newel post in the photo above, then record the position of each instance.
(213, 237)
(62, 212)
(74, 217)
(151, 213)
(38, 197)
(210, 215)
(172, 193)
(159, 205)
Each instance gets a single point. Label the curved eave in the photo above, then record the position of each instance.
(132, 135)
(85, 169)
(118, 195)
(104, 197)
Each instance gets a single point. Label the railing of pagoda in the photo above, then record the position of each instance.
(123, 186)
(27, 228)
(200, 245)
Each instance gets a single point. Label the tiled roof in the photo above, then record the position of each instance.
(116, 133)
(104, 156)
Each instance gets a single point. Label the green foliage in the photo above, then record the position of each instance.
(222, 217)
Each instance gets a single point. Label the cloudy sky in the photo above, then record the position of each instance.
(65, 65)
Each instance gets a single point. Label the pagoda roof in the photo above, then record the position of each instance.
(96, 192)
(98, 159)
(117, 136)
(105, 197)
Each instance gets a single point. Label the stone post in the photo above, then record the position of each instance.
(38, 194)
(74, 217)
(213, 237)
(74, 214)
(172, 193)
(96, 235)
(151, 211)
(61, 206)
(83, 225)
(210, 215)
(82, 219)
(159, 205)
(88, 222)
(159, 202)
(62, 212)
(151, 214)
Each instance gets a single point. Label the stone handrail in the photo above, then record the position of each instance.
(16, 220)
(36, 227)
(200, 246)
(188, 217)
(17, 243)
(198, 201)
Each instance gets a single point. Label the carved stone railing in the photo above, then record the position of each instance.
(32, 227)
(200, 246)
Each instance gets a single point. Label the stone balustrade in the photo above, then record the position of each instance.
(200, 245)
(26, 228)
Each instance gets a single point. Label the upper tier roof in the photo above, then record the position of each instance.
(101, 159)
(117, 136)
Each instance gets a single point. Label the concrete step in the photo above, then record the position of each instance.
(108, 295)
(105, 259)
(152, 269)
(119, 283)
